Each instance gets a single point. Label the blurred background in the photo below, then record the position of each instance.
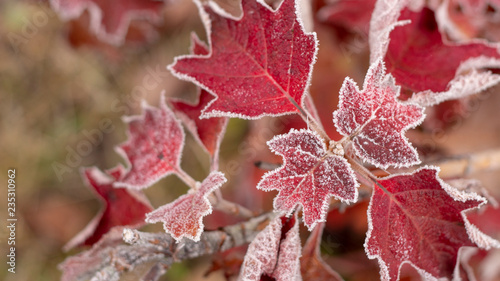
(59, 83)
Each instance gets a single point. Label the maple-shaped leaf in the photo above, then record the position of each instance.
(422, 62)
(312, 265)
(153, 148)
(420, 220)
(274, 253)
(208, 132)
(122, 207)
(108, 20)
(375, 120)
(259, 64)
(184, 216)
(309, 176)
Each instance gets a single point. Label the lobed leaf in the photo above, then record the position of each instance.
(418, 219)
(154, 147)
(259, 64)
(375, 120)
(309, 176)
(184, 216)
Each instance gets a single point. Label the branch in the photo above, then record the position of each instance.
(108, 261)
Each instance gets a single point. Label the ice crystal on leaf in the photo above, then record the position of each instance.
(259, 64)
(122, 207)
(420, 220)
(274, 252)
(153, 148)
(375, 120)
(184, 216)
(109, 20)
(309, 176)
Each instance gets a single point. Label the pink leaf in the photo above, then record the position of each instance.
(208, 132)
(154, 146)
(108, 20)
(309, 176)
(375, 120)
(312, 265)
(122, 207)
(259, 64)
(184, 216)
(420, 220)
(420, 61)
(274, 252)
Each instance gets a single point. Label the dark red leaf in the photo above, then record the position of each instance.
(153, 148)
(420, 61)
(375, 120)
(420, 220)
(122, 207)
(309, 176)
(184, 216)
(259, 64)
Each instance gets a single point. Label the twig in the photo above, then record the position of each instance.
(108, 261)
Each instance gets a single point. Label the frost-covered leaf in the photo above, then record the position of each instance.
(420, 61)
(122, 207)
(309, 176)
(208, 132)
(259, 64)
(153, 148)
(184, 216)
(375, 120)
(312, 265)
(420, 220)
(109, 21)
(274, 253)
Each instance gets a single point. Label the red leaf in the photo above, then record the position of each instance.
(312, 265)
(184, 216)
(375, 120)
(274, 253)
(122, 207)
(420, 61)
(309, 176)
(208, 132)
(154, 146)
(108, 20)
(420, 220)
(259, 64)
